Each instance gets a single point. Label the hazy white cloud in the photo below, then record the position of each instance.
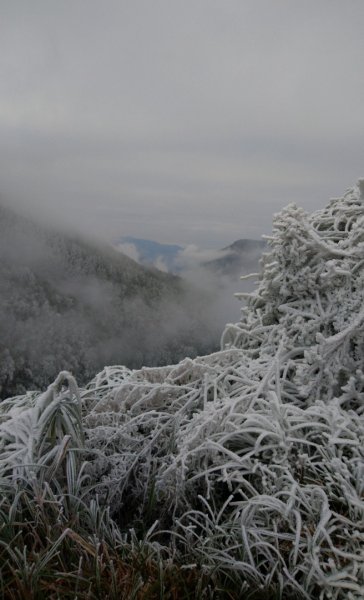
(192, 256)
(160, 264)
(187, 122)
(128, 249)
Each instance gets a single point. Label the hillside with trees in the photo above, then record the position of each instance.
(69, 303)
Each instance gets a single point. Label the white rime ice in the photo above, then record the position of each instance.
(252, 458)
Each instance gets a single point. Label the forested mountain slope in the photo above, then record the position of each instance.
(66, 303)
(243, 468)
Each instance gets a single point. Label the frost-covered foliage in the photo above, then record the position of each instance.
(250, 459)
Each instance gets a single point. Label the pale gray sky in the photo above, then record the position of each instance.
(188, 121)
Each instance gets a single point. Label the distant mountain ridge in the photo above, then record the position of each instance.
(150, 252)
(241, 255)
(238, 258)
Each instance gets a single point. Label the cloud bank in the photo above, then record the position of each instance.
(190, 122)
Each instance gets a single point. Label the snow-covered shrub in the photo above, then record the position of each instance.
(309, 303)
(251, 459)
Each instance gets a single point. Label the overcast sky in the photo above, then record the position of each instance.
(188, 121)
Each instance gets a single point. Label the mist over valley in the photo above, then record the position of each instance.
(69, 303)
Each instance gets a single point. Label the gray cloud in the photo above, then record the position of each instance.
(180, 121)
